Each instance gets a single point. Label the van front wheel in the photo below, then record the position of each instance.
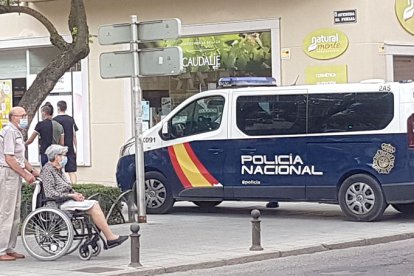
(158, 195)
(361, 198)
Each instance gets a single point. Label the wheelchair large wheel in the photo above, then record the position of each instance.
(47, 234)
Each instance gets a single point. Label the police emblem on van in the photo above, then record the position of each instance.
(383, 161)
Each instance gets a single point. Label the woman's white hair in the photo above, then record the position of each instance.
(54, 150)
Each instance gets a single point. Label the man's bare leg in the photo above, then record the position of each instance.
(73, 178)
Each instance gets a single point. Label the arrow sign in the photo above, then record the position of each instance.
(147, 31)
(152, 62)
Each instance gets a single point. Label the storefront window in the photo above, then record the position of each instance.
(207, 59)
(19, 68)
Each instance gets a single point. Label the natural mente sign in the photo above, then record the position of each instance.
(325, 43)
(249, 52)
(405, 13)
(326, 74)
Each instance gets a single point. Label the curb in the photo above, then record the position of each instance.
(145, 271)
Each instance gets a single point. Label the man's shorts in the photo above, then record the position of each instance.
(71, 165)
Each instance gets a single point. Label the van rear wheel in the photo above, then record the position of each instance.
(405, 208)
(361, 198)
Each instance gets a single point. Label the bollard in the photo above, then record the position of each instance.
(135, 245)
(255, 231)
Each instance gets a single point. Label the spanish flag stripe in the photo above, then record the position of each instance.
(186, 183)
(200, 165)
(190, 170)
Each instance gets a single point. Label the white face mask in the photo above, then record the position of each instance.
(63, 162)
(24, 123)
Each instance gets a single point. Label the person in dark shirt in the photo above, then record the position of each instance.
(70, 128)
(49, 132)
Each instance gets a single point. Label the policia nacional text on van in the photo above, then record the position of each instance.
(351, 144)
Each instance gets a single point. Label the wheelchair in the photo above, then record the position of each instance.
(49, 233)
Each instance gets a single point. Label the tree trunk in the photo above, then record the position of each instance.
(70, 53)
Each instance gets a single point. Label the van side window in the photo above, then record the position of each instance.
(200, 116)
(339, 112)
(317, 113)
(271, 115)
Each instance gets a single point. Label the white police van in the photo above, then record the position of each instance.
(351, 144)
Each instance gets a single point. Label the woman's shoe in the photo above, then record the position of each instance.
(118, 241)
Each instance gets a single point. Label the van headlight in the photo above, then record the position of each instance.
(128, 148)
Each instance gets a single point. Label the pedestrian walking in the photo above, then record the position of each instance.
(13, 167)
(49, 132)
(69, 128)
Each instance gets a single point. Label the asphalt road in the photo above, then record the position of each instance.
(394, 258)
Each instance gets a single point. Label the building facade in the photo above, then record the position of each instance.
(297, 42)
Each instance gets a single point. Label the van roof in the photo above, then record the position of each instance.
(345, 87)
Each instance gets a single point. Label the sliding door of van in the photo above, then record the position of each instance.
(269, 150)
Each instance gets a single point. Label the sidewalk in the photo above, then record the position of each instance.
(189, 238)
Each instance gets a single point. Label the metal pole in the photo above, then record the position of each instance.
(137, 109)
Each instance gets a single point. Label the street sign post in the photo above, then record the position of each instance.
(135, 63)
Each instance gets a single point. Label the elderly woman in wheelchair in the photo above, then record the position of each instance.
(62, 224)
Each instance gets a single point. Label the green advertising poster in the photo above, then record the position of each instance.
(326, 74)
(246, 52)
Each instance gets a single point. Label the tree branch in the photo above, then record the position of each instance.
(55, 38)
(45, 81)
(78, 25)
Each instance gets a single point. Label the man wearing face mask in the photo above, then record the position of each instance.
(13, 167)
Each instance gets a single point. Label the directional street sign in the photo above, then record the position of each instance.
(162, 61)
(159, 30)
(115, 34)
(152, 62)
(116, 65)
(147, 31)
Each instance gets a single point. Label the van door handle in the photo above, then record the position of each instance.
(248, 150)
(215, 151)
